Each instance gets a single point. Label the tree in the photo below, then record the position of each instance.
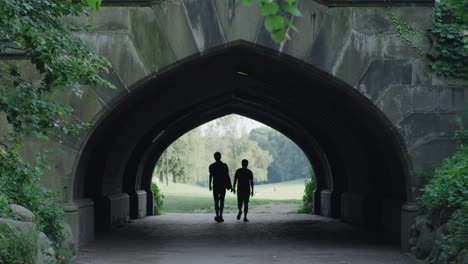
(32, 29)
(289, 162)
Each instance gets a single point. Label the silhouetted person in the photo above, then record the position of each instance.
(219, 174)
(245, 189)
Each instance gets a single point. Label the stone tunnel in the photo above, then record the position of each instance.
(364, 107)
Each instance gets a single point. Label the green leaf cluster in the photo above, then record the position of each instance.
(158, 199)
(446, 196)
(277, 13)
(309, 191)
(405, 31)
(18, 247)
(19, 184)
(449, 35)
(62, 61)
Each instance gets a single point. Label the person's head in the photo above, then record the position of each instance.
(217, 156)
(245, 163)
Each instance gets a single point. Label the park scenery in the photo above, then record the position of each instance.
(279, 166)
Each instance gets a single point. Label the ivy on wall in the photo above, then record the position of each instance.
(449, 36)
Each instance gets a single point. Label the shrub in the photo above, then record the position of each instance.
(18, 247)
(446, 195)
(19, 184)
(158, 199)
(309, 191)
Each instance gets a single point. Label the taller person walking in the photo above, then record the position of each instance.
(219, 175)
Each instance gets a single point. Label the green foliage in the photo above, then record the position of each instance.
(158, 199)
(449, 40)
(449, 36)
(448, 188)
(187, 159)
(446, 196)
(17, 247)
(20, 183)
(277, 15)
(309, 191)
(289, 162)
(5, 210)
(61, 59)
(405, 32)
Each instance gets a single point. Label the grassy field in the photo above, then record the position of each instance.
(184, 198)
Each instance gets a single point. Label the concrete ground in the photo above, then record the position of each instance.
(267, 238)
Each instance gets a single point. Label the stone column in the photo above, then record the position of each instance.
(409, 211)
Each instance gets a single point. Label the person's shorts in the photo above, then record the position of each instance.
(243, 196)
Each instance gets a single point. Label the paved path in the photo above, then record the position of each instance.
(267, 238)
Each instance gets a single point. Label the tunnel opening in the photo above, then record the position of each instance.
(280, 168)
(359, 161)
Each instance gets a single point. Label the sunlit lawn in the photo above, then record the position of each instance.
(184, 198)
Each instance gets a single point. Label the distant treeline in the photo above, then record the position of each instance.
(272, 156)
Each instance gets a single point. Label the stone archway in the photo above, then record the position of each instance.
(383, 101)
(360, 162)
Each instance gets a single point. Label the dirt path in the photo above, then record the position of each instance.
(277, 208)
(267, 238)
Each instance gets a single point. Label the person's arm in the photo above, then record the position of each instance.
(251, 184)
(229, 185)
(209, 181)
(235, 183)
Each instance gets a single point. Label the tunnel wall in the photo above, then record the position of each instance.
(354, 44)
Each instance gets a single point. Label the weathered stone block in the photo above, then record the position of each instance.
(421, 73)
(110, 19)
(109, 95)
(240, 23)
(453, 98)
(204, 23)
(420, 128)
(149, 40)
(356, 56)
(331, 39)
(394, 48)
(86, 220)
(119, 49)
(425, 157)
(86, 107)
(172, 19)
(138, 204)
(371, 20)
(119, 208)
(396, 102)
(325, 203)
(381, 75)
(308, 26)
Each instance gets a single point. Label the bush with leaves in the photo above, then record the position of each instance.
(33, 30)
(446, 196)
(158, 199)
(449, 37)
(22, 187)
(18, 247)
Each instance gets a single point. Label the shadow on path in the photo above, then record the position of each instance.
(268, 238)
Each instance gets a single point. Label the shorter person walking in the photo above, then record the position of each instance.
(245, 188)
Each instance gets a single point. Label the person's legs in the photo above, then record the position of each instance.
(239, 205)
(246, 206)
(222, 194)
(216, 203)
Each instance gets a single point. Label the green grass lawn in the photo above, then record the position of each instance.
(185, 198)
